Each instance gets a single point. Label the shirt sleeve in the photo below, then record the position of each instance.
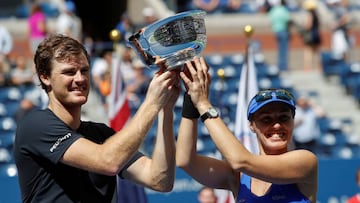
(136, 156)
(45, 136)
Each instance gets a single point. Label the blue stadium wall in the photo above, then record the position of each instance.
(336, 184)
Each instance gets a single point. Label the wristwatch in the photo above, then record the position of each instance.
(210, 113)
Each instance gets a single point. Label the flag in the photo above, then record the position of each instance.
(119, 113)
(118, 105)
(248, 87)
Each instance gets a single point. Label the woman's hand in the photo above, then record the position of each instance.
(197, 80)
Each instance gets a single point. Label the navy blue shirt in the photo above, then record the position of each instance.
(40, 142)
(278, 193)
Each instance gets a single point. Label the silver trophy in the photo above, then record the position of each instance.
(173, 40)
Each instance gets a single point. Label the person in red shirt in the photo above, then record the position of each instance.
(356, 198)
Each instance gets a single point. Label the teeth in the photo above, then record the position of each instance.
(280, 135)
(79, 89)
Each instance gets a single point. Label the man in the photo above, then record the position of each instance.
(61, 158)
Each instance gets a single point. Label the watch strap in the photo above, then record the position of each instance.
(210, 113)
(205, 116)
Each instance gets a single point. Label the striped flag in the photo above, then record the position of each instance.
(119, 109)
(119, 113)
(248, 87)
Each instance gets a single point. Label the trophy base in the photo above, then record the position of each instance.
(178, 59)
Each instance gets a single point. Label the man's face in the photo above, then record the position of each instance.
(69, 82)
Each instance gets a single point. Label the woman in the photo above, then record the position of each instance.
(280, 19)
(275, 173)
(313, 40)
(37, 26)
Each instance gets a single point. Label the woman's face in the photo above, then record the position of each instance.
(273, 125)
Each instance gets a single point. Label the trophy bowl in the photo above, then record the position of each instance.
(172, 40)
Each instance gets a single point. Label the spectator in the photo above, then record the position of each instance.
(6, 42)
(182, 5)
(33, 99)
(265, 5)
(126, 65)
(124, 26)
(22, 74)
(61, 158)
(149, 16)
(4, 73)
(89, 44)
(207, 195)
(356, 198)
(37, 24)
(137, 86)
(218, 6)
(209, 6)
(100, 67)
(140, 82)
(280, 21)
(6, 45)
(68, 22)
(340, 42)
(312, 37)
(307, 130)
(105, 83)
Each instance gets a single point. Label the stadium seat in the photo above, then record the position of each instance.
(350, 79)
(264, 83)
(342, 152)
(261, 70)
(5, 155)
(219, 85)
(7, 124)
(248, 8)
(9, 187)
(205, 145)
(323, 124)
(231, 71)
(7, 139)
(236, 60)
(230, 99)
(12, 108)
(215, 61)
(331, 65)
(10, 94)
(335, 126)
(3, 111)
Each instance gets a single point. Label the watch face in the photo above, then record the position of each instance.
(213, 112)
(210, 113)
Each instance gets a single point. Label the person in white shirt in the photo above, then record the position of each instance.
(67, 22)
(306, 130)
(6, 41)
(100, 67)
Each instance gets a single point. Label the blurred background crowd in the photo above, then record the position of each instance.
(309, 47)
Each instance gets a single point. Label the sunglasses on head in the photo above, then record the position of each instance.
(279, 93)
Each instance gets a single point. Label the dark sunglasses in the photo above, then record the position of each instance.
(279, 93)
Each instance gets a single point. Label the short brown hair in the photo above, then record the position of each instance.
(56, 47)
